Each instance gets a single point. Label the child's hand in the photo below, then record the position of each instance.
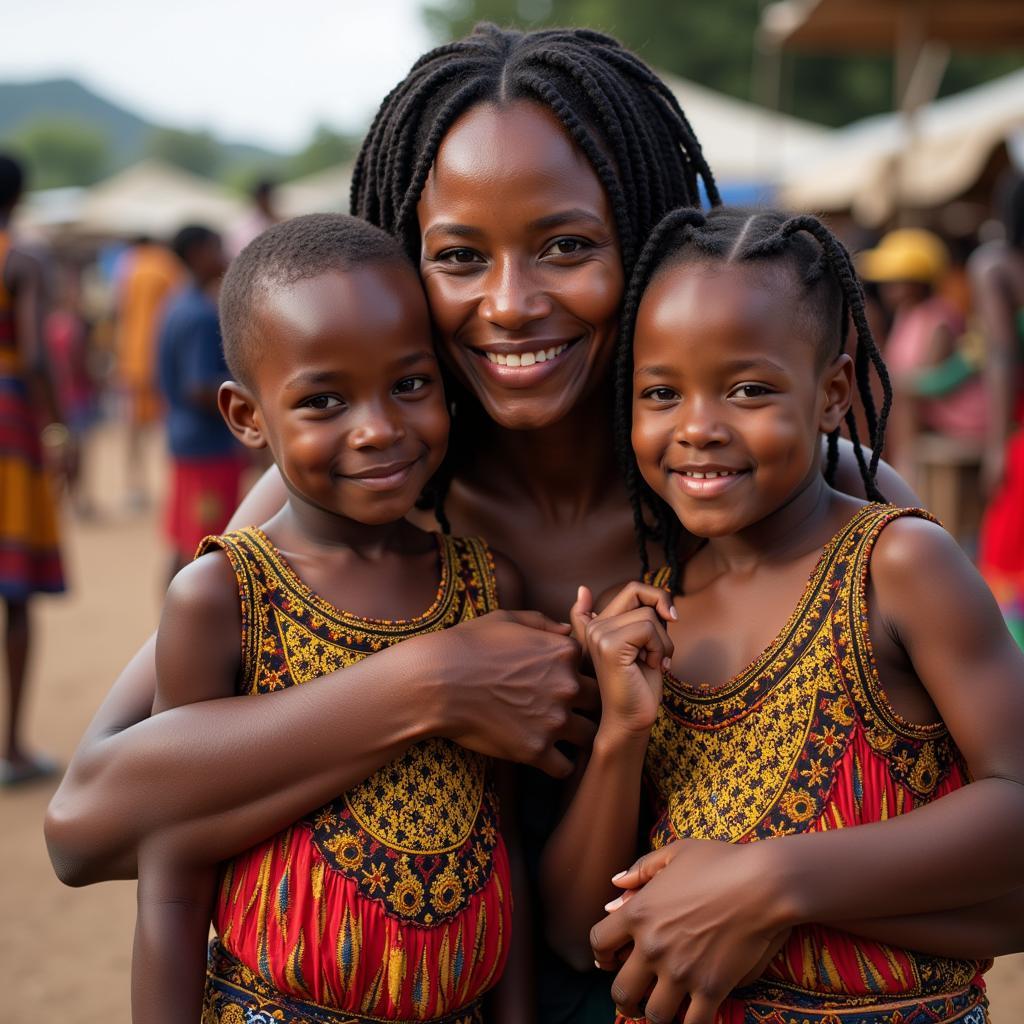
(632, 595)
(629, 648)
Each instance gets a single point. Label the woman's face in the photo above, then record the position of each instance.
(521, 263)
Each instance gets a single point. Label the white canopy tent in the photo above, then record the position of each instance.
(881, 164)
(748, 147)
(323, 192)
(154, 198)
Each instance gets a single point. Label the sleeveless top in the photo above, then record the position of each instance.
(804, 740)
(392, 901)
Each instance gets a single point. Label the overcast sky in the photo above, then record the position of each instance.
(264, 71)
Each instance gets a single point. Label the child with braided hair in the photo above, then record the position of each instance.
(822, 672)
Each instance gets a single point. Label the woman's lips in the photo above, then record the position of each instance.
(524, 367)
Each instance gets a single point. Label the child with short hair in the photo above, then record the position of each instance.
(393, 901)
(207, 463)
(812, 663)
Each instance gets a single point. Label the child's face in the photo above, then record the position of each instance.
(347, 392)
(728, 381)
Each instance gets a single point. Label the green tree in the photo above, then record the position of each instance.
(198, 152)
(326, 148)
(712, 42)
(61, 152)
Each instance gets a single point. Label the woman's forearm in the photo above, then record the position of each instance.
(960, 851)
(596, 837)
(994, 928)
(226, 773)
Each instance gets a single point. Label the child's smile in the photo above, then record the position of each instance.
(730, 396)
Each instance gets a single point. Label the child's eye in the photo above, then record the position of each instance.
(566, 247)
(458, 255)
(661, 394)
(322, 402)
(750, 391)
(409, 384)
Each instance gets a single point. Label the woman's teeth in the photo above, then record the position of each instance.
(525, 358)
(711, 475)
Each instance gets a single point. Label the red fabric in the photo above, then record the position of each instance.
(203, 494)
(326, 941)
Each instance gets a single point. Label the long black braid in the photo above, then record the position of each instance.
(832, 292)
(623, 118)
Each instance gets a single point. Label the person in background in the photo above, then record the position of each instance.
(908, 266)
(206, 462)
(147, 276)
(30, 560)
(997, 278)
(262, 215)
(68, 349)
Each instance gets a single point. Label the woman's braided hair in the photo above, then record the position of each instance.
(612, 105)
(831, 293)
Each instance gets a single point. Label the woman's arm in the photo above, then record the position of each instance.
(226, 773)
(848, 479)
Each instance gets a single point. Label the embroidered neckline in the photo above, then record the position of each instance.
(712, 693)
(438, 607)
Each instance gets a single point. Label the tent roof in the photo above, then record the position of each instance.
(878, 24)
(952, 141)
(155, 198)
(744, 142)
(323, 192)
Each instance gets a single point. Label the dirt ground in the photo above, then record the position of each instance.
(65, 954)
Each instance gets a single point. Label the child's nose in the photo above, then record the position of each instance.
(701, 425)
(378, 427)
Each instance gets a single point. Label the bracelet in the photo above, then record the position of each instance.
(55, 435)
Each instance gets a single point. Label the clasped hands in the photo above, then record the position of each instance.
(696, 919)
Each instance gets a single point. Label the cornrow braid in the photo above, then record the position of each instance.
(824, 270)
(620, 114)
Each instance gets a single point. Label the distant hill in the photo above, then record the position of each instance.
(22, 103)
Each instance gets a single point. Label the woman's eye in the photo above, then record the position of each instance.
(566, 247)
(751, 391)
(458, 256)
(322, 402)
(409, 384)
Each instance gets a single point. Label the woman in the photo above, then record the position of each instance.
(524, 172)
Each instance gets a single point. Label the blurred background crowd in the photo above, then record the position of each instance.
(902, 121)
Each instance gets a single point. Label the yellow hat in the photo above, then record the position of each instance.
(908, 254)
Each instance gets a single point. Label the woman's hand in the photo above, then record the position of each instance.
(510, 689)
(700, 920)
(629, 647)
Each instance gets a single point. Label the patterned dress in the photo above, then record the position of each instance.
(804, 740)
(29, 554)
(391, 902)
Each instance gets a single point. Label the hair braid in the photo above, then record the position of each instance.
(623, 118)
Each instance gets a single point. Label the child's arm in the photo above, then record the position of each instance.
(504, 685)
(628, 646)
(197, 657)
(698, 924)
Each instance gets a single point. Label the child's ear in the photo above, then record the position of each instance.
(837, 384)
(238, 407)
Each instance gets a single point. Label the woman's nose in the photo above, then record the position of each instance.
(512, 296)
